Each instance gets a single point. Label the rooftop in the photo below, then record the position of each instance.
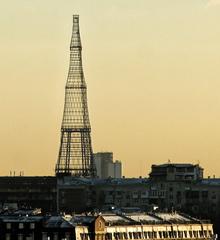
(111, 219)
(68, 181)
(180, 165)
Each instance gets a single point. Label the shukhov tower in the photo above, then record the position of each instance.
(75, 153)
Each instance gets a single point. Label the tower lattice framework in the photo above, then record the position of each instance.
(75, 153)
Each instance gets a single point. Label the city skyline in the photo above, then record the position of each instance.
(152, 73)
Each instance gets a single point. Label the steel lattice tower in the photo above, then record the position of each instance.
(75, 153)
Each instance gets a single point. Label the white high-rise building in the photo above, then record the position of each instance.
(117, 169)
(106, 167)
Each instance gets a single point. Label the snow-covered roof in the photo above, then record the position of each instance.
(173, 217)
(143, 218)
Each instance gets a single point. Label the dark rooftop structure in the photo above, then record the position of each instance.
(176, 172)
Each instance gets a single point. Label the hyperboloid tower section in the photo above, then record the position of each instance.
(75, 153)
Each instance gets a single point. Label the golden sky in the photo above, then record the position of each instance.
(152, 69)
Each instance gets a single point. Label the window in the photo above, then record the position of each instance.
(108, 236)
(120, 235)
(135, 235)
(200, 234)
(205, 194)
(55, 236)
(8, 225)
(32, 225)
(170, 169)
(213, 196)
(7, 236)
(180, 234)
(170, 234)
(180, 170)
(81, 236)
(190, 234)
(150, 235)
(21, 225)
(125, 235)
(116, 235)
(175, 234)
(84, 236)
(190, 169)
(195, 234)
(20, 236)
(165, 234)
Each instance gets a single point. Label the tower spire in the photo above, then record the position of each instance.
(75, 153)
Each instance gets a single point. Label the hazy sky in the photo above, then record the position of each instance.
(153, 74)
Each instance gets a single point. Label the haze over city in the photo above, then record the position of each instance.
(152, 71)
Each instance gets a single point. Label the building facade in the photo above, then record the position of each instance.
(197, 197)
(176, 172)
(79, 194)
(106, 226)
(28, 192)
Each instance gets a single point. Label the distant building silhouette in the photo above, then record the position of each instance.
(106, 167)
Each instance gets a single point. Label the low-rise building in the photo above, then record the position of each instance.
(29, 192)
(193, 195)
(81, 194)
(105, 226)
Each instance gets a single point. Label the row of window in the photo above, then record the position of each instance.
(19, 237)
(149, 235)
(156, 193)
(53, 236)
(21, 225)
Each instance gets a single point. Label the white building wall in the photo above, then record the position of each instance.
(111, 170)
(105, 166)
(98, 164)
(117, 169)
